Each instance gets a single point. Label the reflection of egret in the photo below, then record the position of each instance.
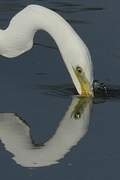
(18, 38)
(15, 135)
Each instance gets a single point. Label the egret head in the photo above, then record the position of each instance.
(85, 88)
(81, 71)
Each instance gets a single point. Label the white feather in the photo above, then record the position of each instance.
(18, 38)
(15, 135)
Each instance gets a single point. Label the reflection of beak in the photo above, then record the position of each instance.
(17, 139)
(80, 107)
(86, 88)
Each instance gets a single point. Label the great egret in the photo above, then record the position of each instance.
(16, 137)
(17, 38)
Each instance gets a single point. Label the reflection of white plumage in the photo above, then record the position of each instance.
(15, 135)
(18, 38)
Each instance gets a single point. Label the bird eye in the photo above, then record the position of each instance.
(77, 115)
(79, 69)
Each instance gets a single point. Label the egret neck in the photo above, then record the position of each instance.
(18, 37)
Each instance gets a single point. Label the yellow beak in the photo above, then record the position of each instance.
(86, 89)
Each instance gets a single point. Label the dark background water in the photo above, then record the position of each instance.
(97, 156)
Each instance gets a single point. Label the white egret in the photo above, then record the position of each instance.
(17, 38)
(16, 137)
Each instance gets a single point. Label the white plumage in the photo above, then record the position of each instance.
(18, 38)
(15, 135)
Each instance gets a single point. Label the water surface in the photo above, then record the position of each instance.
(38, 92)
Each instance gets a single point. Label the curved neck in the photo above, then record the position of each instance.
(15, 135)
(18, 37)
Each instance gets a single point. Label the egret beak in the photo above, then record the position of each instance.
(86, 88)
(80, 107)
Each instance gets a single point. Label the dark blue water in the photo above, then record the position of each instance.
(32, 86)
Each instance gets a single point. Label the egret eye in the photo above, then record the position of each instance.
(77, 115)
(79, 69)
